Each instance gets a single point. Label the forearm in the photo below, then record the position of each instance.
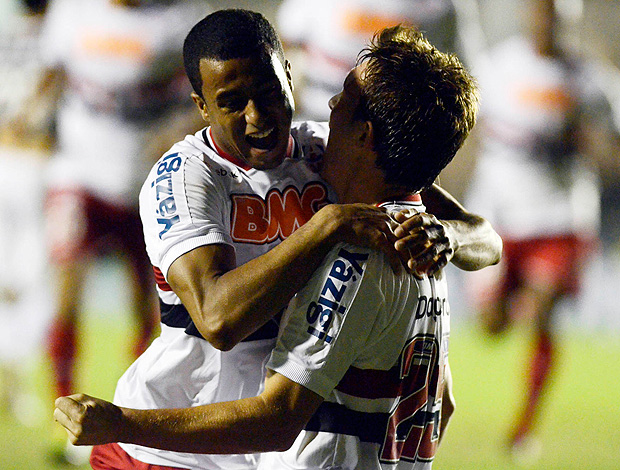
(243, 426)
(268, 422)
(473, 239)
(227, 303)
(477, 245)
(246, 297)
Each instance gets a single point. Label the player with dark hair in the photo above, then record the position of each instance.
(236, 220)
(116, 71)
(228, 42)
(360, 375)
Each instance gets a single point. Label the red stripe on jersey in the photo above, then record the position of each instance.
(415, 198)
(234, 160)
(370, 383)
(161, 280)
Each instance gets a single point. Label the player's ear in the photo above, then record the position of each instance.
(201, 105)
(367, 135)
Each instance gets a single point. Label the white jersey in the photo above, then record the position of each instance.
(374, 345)
(527, 182)
(124, 71)
(25, 294)
(195, 196)
(333, 33)
(21, 65)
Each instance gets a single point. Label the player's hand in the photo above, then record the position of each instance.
(88, 420)
(363, 225)
(422, 242)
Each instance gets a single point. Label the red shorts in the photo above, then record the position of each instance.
(113, 457)
(79, 224)
(553, 261)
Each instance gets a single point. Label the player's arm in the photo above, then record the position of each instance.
(31, 126)
(268, 422)
(447, 402)
(451, 234)
(228, 303)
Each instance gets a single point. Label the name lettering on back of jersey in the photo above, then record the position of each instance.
(259, 221)
(166, 210)
(345, 271)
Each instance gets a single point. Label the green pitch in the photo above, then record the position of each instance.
(579, 429)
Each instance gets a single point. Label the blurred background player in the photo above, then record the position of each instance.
(118, 67)
(26, 138)
(323, 38)
(546, 123)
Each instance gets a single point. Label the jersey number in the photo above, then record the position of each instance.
(412, 430)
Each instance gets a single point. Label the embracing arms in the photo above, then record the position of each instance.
(228, 303)
(269, 422)
(465, 239)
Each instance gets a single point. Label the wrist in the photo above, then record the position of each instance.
(451, 234)
(126, 427)
(326, 226)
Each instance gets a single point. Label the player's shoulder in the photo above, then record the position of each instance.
(193, 146)
(193, 152)
(310, 140)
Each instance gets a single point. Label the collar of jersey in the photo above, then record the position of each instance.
(237, 161)
(416, 198)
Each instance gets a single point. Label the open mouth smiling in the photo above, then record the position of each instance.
(265, 140)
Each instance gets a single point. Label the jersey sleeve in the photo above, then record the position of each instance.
(182, 207)
(329, 321)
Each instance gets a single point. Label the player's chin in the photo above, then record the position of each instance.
(266, 159)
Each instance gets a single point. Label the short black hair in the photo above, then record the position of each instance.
(422, 104)
(228, 34)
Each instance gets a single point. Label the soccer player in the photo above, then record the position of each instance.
(360, 375)
(118, 71)
(236, 220)
(326, 36)
(26, 139)
(546, 120)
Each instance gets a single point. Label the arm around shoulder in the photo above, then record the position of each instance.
(269, 422)
(475, 243)
(228, 302)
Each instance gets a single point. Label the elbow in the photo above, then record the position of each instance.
(218, 333)
(284, 445)
(495, 243)
(220, 337)
(282, 438)
(280, 428)
(278, 443)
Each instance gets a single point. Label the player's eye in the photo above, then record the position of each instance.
(232, 103)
